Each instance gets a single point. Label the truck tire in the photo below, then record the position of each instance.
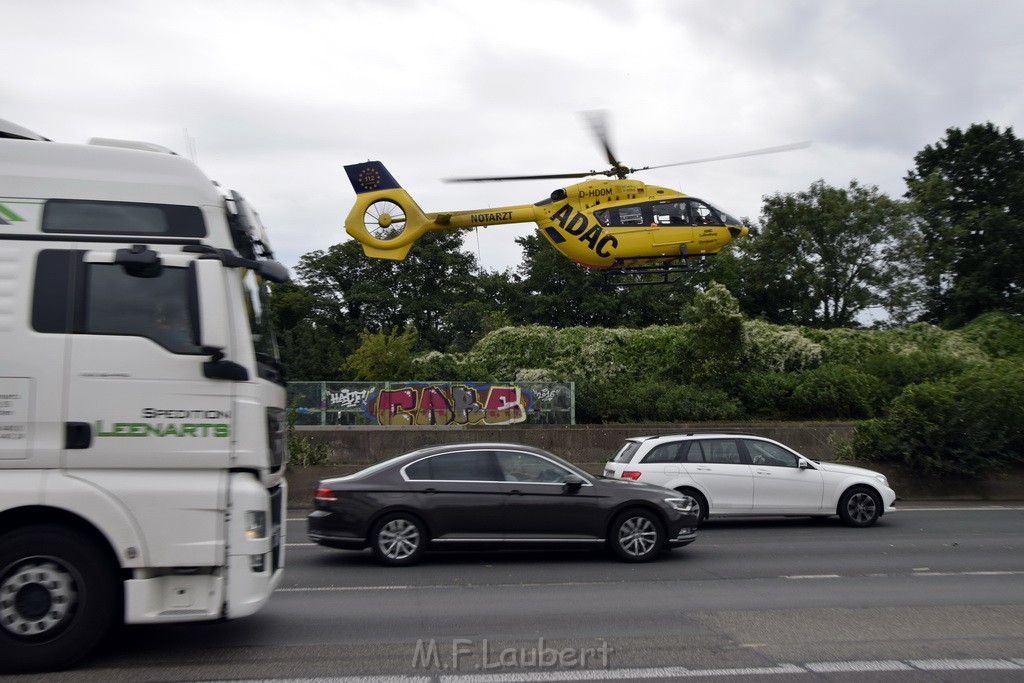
(58, 594)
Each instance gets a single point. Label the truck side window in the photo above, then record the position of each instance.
(122, 218)
(152, 307)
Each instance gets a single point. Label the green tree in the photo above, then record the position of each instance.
(968, 190)
(825, 256)
(383, 355)
(716, 335)
(352, 292)
(309, 344)
(552, 290)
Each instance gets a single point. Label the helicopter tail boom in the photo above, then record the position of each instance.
(386, 220)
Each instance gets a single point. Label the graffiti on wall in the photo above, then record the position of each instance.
(423, 403)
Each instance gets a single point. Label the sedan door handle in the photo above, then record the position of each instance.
(515, 492)
(764, 472)
(431, 491)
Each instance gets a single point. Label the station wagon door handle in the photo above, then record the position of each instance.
(702, 469)
(431, 490)
(764, 472)
(515, 492)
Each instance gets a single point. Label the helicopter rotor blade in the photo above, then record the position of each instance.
(738, 155)
(549, 176)
(598, 120)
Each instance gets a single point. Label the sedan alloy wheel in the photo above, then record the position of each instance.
(398, 540)
(636, 536)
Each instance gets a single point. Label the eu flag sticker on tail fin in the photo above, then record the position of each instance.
(370, 176)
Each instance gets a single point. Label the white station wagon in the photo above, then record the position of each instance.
(737, 475)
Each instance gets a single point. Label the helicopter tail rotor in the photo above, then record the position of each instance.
(385, 219)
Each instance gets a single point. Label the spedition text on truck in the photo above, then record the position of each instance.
(142, 445)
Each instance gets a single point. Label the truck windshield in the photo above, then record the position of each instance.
(260, 324)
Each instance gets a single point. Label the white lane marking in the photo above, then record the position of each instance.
(847, 667)
(670, 672)
(811, 576)
(964, 664)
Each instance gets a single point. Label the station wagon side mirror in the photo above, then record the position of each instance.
(573, 483)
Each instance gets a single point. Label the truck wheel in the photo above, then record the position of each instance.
(57, 598)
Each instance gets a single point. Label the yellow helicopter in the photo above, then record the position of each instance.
(622, 225)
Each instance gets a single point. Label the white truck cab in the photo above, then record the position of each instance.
(142, 402)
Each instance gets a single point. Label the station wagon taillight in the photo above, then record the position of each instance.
(630, 474)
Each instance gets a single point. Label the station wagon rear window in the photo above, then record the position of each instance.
(122, 218)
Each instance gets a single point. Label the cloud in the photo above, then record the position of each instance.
(277, 96)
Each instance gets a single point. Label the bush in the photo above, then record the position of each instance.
(899, 370)
(1000, 335)
(765, 394)
(771, 348)
(303, 451)
(668, 402)
(966, 425)
(834, 391)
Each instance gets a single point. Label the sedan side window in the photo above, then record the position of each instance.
(725, 451)
(764, 453)
(518, 466)
(461, 466)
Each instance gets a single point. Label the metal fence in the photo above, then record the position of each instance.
(432, 403)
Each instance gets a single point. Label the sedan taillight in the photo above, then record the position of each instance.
(324, 495)
(630, 474)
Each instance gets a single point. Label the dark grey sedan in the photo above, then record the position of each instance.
(482, 496)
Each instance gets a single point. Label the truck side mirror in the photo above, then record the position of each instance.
(210, 303)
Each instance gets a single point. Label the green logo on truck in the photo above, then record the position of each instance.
(219, 430)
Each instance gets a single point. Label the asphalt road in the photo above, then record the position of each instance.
(925, 595)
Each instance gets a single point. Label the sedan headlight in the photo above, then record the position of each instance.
(881, 478)
(680, 504)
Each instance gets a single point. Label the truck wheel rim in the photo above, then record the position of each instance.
(37, 596)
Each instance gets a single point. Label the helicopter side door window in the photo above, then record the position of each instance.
(622, 216)
(671, 213)
(630, 215)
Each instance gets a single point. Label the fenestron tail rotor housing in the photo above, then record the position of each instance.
(384, 219)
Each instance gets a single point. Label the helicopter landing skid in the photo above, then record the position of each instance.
(658, 274)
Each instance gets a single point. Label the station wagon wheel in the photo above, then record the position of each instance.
(860, 507)
(398, 540)
(636, 536)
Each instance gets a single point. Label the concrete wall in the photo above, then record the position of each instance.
(589, 446)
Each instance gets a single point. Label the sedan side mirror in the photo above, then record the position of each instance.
(572, 483)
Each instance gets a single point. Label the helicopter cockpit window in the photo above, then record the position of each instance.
(726, 218)
(703, 214)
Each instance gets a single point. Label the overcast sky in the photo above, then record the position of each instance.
(275, 96)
